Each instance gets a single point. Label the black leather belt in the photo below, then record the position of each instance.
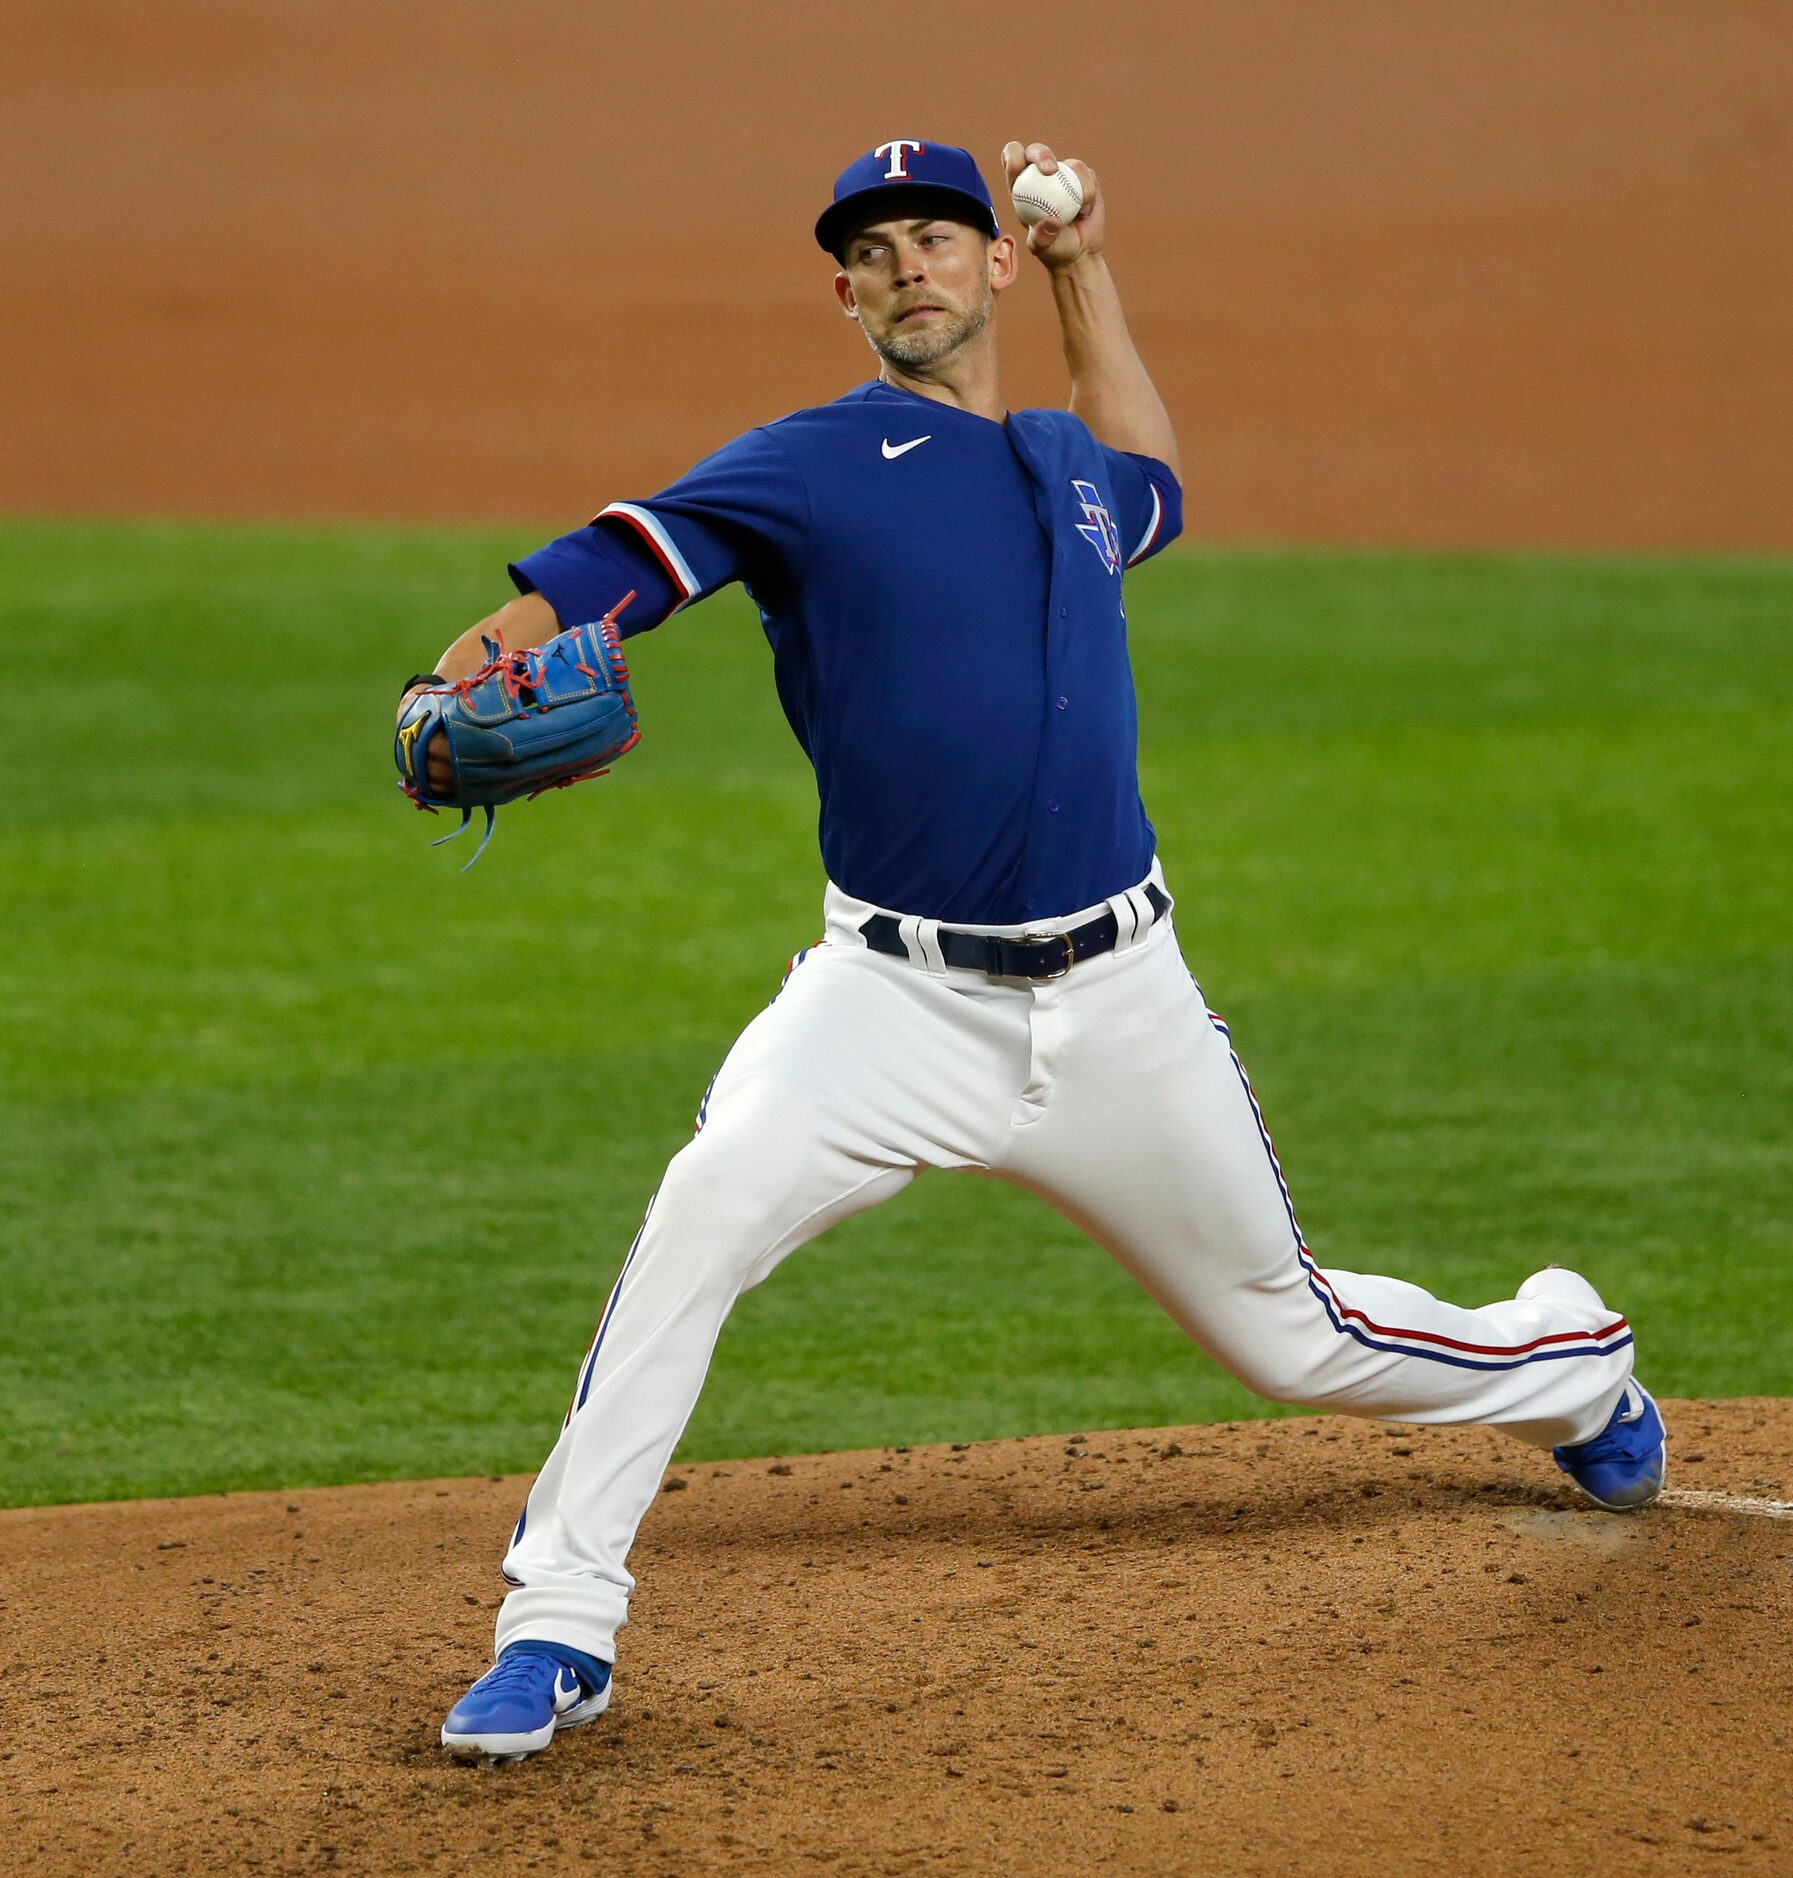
(1033, 955)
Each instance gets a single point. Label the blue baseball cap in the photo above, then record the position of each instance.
(940, 170)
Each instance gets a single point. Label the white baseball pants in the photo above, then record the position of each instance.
(1114, 1094)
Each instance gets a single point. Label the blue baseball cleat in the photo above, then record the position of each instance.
(517, 1705)
(1623, 1466)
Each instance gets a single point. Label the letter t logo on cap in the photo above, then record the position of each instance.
(899, 164)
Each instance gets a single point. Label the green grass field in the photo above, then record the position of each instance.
(319, 1157)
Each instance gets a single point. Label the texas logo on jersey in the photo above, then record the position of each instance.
(1097, 526)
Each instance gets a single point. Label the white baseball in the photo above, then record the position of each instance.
(1037, 195)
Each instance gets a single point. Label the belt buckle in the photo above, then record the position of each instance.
(1052, 938)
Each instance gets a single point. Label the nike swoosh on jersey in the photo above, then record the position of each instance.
(894, 450)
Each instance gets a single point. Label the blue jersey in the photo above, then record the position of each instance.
(942, 595)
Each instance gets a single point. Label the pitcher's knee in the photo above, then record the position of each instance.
(1284, 1371)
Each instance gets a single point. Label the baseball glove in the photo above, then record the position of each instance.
(541, 718)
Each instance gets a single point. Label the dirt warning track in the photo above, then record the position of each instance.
(1305, 1644)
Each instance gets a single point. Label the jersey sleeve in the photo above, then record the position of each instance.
(741, 514)
(1148, 502)
(584, 574)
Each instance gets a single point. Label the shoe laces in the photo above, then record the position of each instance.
(516, 1668)
(1617, 1441)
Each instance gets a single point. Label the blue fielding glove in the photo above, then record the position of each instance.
(542, 718)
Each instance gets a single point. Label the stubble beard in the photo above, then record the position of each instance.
(930, 344)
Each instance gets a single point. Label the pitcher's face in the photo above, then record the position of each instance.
(922, 288)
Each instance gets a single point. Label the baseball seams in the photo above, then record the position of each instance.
(1037, 195)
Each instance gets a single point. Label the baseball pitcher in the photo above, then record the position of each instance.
(999, 985)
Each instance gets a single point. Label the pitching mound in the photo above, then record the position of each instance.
(1302, 1645)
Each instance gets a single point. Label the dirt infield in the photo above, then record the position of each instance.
(1406, 271)
(1269, 1647)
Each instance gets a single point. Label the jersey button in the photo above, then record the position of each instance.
(1051, 808)
(1063, 702)
(1063, 611)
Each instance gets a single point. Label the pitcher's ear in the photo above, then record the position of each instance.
(843, 292)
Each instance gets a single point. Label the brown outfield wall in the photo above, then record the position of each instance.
(1407, 271)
